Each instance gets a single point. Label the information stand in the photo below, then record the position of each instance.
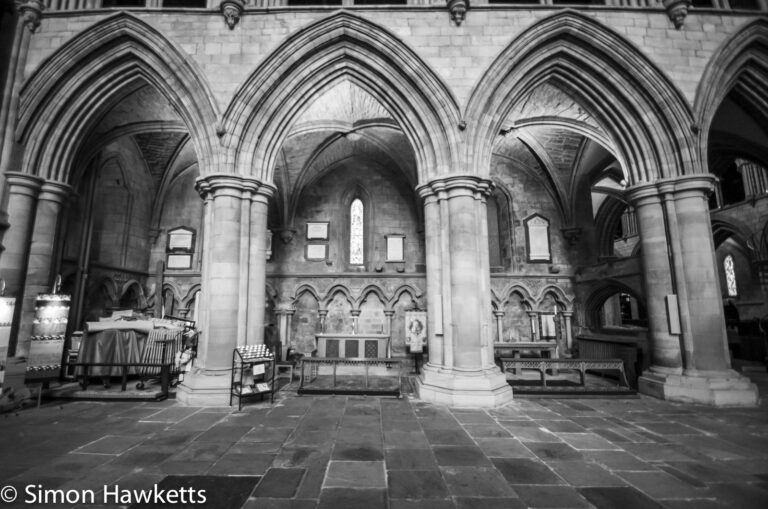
(253, 373)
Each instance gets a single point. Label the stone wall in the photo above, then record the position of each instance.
(459, 55)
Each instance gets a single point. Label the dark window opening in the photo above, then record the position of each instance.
(195, 4)
(123, 3)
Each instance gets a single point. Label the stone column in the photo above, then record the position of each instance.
(533, 316)
(467, 375)
(233, 213)
(567, 315)
(355, 320)
(499, 328)
(699, 370)
(257, 266)
(42, 251)
(389, 314)
(666, 357)
(434, 262)
(22, 202)
(284, 311)
(322, 314)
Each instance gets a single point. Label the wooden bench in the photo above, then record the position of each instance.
(510, 365)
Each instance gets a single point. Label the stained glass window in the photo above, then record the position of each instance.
(356, 232)
(730, 276)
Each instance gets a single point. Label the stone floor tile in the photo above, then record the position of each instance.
(200, 421)
(448, 437)
(220, 433)
(409, 459)
(143, 456)
(266, 434)
(526, 471)
(529, 431)
(711, 472)
(561, 426)
(486, 431)
(201, 451)
(172, 414)
(416, 484)
(613, 498)
(171, 437)
(694, 503)
(180, 467)
(548, 451)
(658, 452)
(350, 498)
(488, 503)
(587, 441)
(423, 504)
(504, 448)
(110, 444)
(357, 452)
(313, 481)
(279, 483)
(715, 448)
(242, 464)
(304, 456)
(465, 456)
(279, 503)
(618, 460)
(476, 482)
(255, 448)
(582, 474)
(551, 496)
(472, 416)
(660, 485)
(399, 439)
(741, 496)
(401, 425)
(670, 428)
(355, 474)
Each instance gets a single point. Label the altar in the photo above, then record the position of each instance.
(368, 346)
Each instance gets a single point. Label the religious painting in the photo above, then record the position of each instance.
(416, 330)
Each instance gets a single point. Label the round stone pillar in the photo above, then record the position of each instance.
(42, 250)
(459, 299)
(691, 364)
(665, 352)
(234, 240)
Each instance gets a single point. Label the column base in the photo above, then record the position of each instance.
(481, 388)
(205, 388)
(721, 389)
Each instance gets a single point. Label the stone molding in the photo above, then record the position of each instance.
(456, 185)
(699, 184)
(56, 192)
(213, 185)
(23, 183)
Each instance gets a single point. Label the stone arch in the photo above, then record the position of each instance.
(73, 85)
(739, 64)
(644, 115)
(558, 294)
(331, 293)
(341, 46)
(191, 295)
(412, 291)
(522, 292)
(599, 294)
(307, 288)
(372, 288)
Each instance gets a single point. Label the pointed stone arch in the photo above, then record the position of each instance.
(66, 95)
(643, 114)
(371, 289)
(740, 64)
(341, 46)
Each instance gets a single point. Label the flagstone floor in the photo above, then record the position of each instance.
(341, 452)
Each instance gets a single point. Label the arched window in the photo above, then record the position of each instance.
(356, 232)
(730, 276)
